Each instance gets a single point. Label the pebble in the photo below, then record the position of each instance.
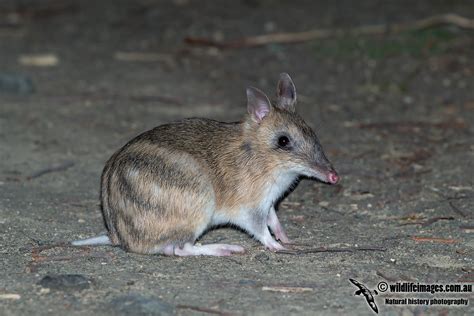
(10, 296)
(138, 305)
(14, 83)
(65, 282)
(39, 60)
(262, 257)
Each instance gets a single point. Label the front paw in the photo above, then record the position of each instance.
(281, 236)
(274, 246)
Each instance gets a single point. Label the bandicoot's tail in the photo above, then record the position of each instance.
(94, 241)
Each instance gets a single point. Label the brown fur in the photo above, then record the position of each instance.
(165, 186)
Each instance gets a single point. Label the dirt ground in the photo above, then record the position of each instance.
(394, 112)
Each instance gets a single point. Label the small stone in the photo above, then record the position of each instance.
(39, 60)
(262, 257)
(349, 124)
(10, 296)
(334, 107)
(218, 36)
(14, 83)
(44, 291)
(65, 282)
(135, 304)
(269, 26)
(408, 99)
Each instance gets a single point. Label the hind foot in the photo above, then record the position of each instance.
(203, 250)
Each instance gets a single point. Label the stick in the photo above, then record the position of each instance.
(435, 219)
(284, 38)
(60, 167)
(204, 310)
(434, 239)
(324, 249)
(429, 221)
(37, 258)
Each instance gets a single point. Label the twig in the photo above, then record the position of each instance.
(429, 221)
(204, 310)
(298, 244)
(435, 240)
(60, 167)
(324, 249)
(37, 258)
(282, 38)
(435, 219)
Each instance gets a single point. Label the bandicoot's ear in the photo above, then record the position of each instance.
(286, 93)
(258, 104)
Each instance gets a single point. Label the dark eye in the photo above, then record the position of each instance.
(283, 141)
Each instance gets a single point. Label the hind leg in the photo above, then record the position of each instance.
(161, 198)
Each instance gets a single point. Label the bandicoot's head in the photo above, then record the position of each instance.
(283, 135)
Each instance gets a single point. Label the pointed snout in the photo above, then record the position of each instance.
(333, 177)
(326, 174)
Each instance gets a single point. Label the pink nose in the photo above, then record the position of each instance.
(333, 178)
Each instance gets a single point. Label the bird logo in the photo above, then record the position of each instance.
(369, 295)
